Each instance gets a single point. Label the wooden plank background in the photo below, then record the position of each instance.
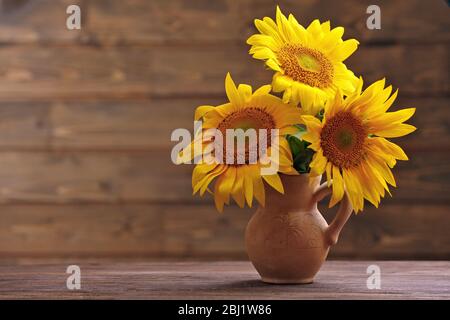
(86, 117)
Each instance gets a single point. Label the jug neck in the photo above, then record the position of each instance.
(298, 194)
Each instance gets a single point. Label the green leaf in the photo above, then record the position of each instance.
(300, 127)
(301, 131)
(294, 144)
(301, 154)
(320, 114)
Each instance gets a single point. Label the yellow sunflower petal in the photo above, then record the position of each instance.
(391, 148)
(204, 183)
(389, 102)
(352, 136)
(245, 92)
(281, 83)
(390, 119)
(273, 65)
(263, 53)
(384, 170)
(248, 186)
(201, 111)
(267, 27)
(353, 187)
(226, 182)
(345, 49)
(264, 40)
(307, 61)
(319, 163)
(219, 199)
(237, 191)
(399, 130)
(264, 90)
(337, 186)
(275, 182)
(232, 92)
(328, 170)
(258, 186)
(200, 171)
(312, 123)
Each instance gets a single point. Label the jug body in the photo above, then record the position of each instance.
(288, 240)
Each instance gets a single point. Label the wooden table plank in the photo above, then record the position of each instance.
(220, 280)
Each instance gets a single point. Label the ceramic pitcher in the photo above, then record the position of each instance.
(288, 240)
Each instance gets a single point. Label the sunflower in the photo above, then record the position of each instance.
(245, 110)
(308, 63)
(351, 147)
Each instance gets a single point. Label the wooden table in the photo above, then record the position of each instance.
(219, 280)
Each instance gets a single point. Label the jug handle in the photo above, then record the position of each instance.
(343, 214)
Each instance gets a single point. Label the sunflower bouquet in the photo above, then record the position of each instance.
(325, 121)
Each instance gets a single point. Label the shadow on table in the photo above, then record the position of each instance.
(258, 284)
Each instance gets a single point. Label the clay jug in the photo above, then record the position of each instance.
(288, 240)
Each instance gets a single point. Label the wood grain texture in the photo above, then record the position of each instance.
(86, 118)
(178, 21)
(140, 125)
(112, 177)
(401, 21)
(220, 280)
(147, 124)
(24, 125)
(166, 21)
(37, 21)
(395, 231)
(170, 71)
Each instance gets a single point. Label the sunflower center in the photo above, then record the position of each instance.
(342, 140)
(306, 65)
(250, 121)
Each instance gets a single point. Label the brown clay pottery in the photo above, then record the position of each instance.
(288, 240)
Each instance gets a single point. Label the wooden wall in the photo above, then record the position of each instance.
(86, 117)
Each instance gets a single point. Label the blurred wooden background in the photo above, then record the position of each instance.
(86, 117)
